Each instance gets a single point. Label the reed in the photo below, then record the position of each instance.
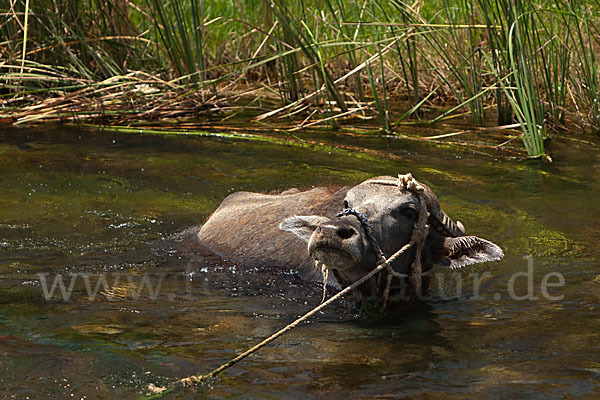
(520, 83)
(581, 20)
(311, 62)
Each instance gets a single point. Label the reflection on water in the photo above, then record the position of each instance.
(93, 208)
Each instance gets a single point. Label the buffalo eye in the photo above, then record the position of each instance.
(407, 211)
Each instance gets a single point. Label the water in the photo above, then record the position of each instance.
(84, 205)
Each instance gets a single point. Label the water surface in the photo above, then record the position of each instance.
(86, 205)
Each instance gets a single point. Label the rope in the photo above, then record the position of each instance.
(325, 273)
(419, 234)
(197, 379)
(367, 226)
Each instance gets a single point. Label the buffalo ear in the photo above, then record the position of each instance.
(302, 226)
(466, 250)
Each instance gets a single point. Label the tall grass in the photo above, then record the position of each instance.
(517, 73)
(581, 19)
(181, 26)
(315, 62)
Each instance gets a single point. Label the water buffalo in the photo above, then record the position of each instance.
(299, 230)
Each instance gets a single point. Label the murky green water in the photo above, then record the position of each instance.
(87, 206)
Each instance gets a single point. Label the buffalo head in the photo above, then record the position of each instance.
(342, 245)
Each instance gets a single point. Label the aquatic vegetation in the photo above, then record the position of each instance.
(310, 62)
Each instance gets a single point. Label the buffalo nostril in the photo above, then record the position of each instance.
(345, 233)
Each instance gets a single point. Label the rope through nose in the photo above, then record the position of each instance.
(366, 225)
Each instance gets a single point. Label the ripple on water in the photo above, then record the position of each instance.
(97, 206)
